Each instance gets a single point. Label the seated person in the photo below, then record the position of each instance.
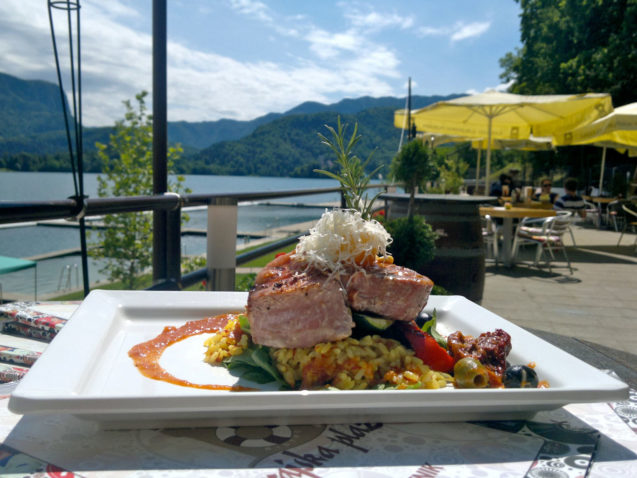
(545, 194)
(503, 187)
(571, 201)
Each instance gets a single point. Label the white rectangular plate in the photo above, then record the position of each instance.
(86, 371)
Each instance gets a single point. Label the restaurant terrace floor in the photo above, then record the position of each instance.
(596, 306)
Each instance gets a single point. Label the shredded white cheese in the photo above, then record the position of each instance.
(343, 238)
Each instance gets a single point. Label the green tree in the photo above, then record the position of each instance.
(126, 241)
(452, 169)
(413, 166)
(575, 46)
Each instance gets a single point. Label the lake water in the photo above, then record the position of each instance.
(65, 272)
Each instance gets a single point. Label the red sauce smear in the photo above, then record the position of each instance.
(147, 354)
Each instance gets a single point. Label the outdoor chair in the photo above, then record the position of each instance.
(592, 214)
(546, 234)
(566, 220)
(490, 237)
(615, 215)
(631, 220)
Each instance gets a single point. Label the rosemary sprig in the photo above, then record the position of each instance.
(352, 176)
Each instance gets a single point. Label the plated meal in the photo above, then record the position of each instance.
(337, 313)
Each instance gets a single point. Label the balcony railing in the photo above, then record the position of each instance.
(222, 260)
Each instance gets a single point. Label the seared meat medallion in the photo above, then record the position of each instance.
(391, 291)
(295, 305)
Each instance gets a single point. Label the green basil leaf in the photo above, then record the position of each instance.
(244, 323)
(430, 328)
(255, 364)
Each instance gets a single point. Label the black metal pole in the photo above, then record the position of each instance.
(409, 135)
(76, 94)
(80, 162)
(160, 142)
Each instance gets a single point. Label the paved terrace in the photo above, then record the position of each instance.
(596, 305)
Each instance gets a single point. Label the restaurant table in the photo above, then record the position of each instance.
(578, 440)
(507, 215)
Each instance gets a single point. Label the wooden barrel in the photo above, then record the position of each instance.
(459, 264)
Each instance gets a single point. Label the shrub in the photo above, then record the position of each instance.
(414, 242)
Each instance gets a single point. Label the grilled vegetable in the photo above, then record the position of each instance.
(371, 324)
(426, 348)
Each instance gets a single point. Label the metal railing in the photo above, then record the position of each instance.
(221, 229)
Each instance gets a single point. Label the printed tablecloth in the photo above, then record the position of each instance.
(578, 440)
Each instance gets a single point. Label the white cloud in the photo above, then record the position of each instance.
(459, 31)
(377, 21)
(470, 30)
(253, 8)
(434, 31)
(117, 64)
(502, 87)
(328, 45)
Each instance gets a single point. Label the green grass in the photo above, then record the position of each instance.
(263, 260)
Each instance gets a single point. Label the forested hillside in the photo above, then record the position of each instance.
(290, 146)
(28, 106)
(32, 135)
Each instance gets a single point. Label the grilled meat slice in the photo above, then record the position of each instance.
(391, 291)
(293, 305)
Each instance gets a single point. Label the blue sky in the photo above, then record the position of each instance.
(241, 59)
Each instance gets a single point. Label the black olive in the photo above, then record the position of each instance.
(520, 376)
(422, 318)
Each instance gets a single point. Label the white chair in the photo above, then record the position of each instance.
(567, 219)
(490, 237)
(593, 213)
(546, 234)
(631, 220)
(615, 215)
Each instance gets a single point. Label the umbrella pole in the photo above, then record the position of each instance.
(601, 173)
(478, 172)
(488, 171)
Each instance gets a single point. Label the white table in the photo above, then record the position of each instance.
(507, 215)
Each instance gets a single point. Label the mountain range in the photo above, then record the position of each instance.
(32, 135)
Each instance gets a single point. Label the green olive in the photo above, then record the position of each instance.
(470, 373)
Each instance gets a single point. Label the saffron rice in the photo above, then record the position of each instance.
(348, 364)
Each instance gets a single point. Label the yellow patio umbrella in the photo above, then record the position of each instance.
(436, 139)
(530, 144)
(494, 115)
(616, 130)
